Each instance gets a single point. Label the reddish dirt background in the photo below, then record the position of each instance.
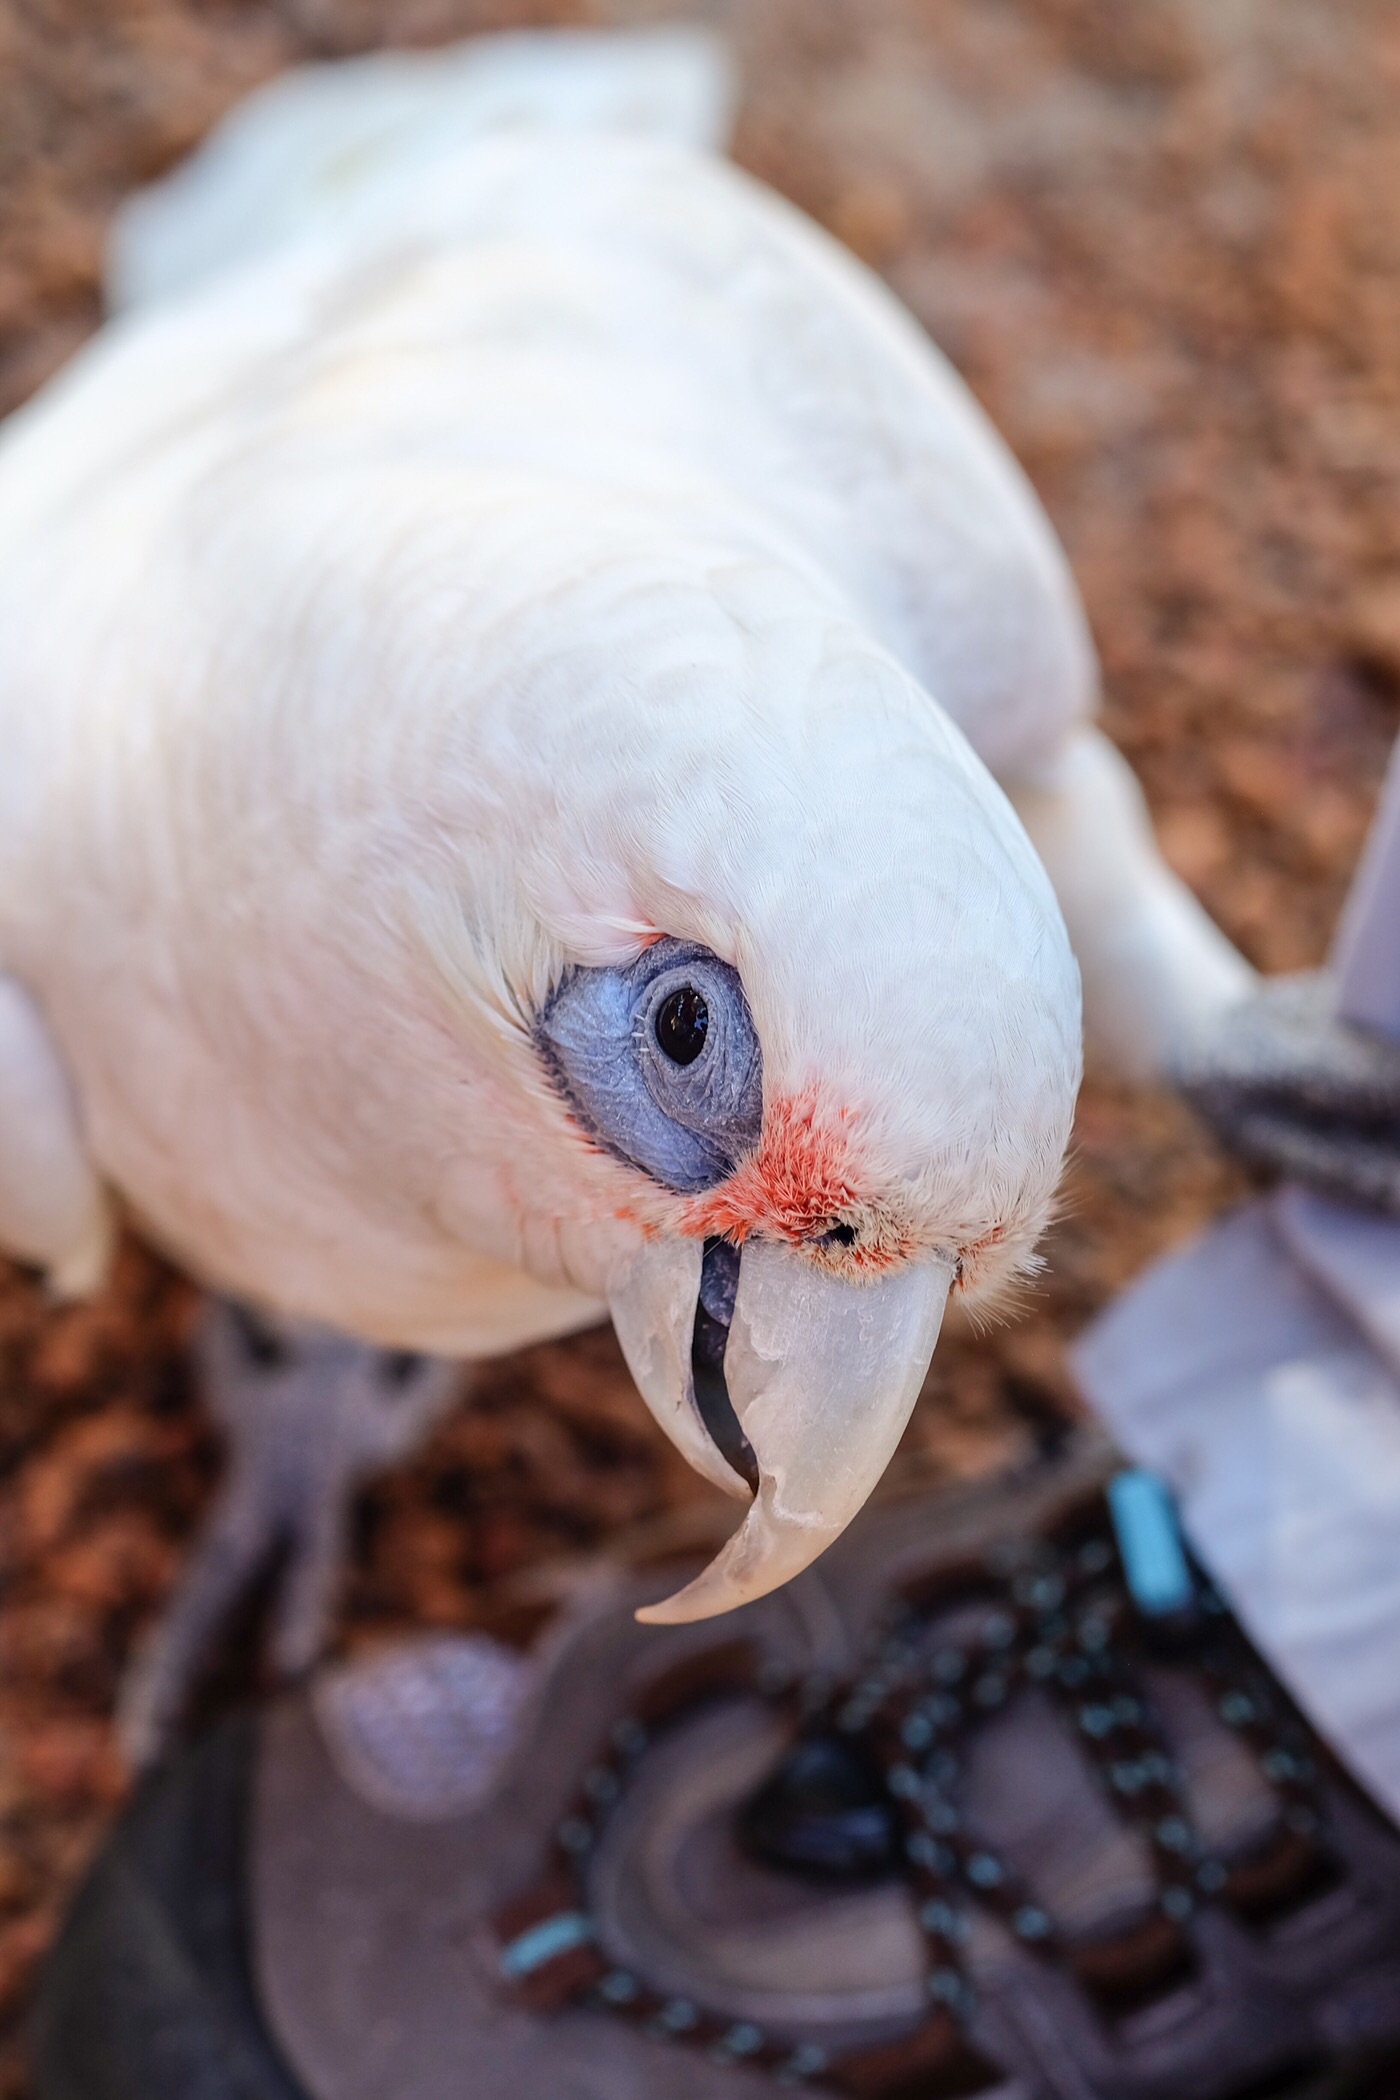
(1163, 243)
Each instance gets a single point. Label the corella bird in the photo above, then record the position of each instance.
(508, 647)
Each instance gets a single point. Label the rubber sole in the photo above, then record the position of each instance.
(148, 1993)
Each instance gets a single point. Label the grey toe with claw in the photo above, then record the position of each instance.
(307, 1416)
(1293, 1089)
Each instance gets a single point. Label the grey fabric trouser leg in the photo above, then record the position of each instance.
(147, 1994)
(1366, 952)
(1259, 1370)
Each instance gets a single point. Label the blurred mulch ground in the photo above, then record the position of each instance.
(1163, 243)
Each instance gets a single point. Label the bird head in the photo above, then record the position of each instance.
(657, 931)
(805, 1039)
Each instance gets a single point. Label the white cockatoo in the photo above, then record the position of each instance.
(530, 698)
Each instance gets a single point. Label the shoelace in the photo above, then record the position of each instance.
(1071, 1619)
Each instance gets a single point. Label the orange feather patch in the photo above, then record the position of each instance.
(796, 1187)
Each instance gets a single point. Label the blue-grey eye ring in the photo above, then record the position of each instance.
(659, 1061)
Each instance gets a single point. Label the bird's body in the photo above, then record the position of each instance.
(532, 555)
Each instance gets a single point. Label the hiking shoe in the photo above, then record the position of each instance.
(996, 1799)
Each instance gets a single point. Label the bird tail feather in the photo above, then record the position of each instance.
(303, 152)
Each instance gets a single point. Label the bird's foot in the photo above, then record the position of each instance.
(308, 1416)
(1296, 1091)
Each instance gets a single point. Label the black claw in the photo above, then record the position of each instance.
(401, 1366)
(263, 1344)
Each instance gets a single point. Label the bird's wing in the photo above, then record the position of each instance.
(636, 313)
(810, 387)
(53, 1211)
(320, 141)
(867, 445)
(1158, 973)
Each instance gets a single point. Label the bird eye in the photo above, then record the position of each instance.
(659, 1061)
(682, 1024)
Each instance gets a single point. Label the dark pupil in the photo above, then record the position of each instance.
(682, 1023)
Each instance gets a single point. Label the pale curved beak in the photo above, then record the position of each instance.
(653, 1313)
(822, 1373)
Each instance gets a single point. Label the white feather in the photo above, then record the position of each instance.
(52, 1208)
(305, 152)
(551, 538)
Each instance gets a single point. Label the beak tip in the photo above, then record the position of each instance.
(654, 1615)
(711, 1593)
